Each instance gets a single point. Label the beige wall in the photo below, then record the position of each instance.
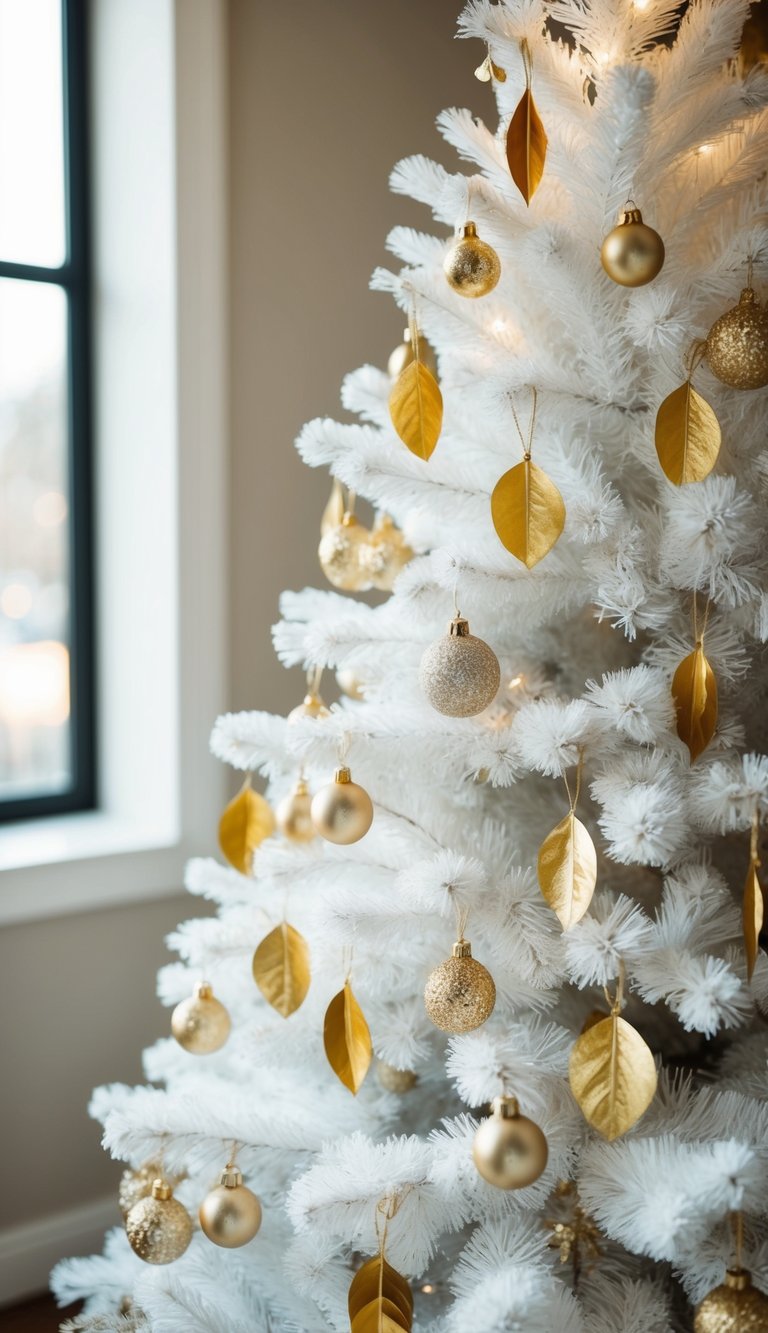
(326, 95)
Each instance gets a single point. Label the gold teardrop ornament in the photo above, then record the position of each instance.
(694, 690)
(687, 436)
(568, 870)
(245, 823)
(753, 909)
(416, 409)
(380, 1298)
(612, 1076)
(526, 147)
(347, 1039)
(528, 512)
(281, 969)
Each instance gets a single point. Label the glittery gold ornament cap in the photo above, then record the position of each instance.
(737, 344)
(734, 1307)
(460, 993)
(459, 673)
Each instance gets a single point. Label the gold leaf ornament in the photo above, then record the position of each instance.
(489, 70)
(528, 512)
(694, 690)
(380, 1298)
(612, 1075)
(753, 905)
(687, 436)
(526, 138)
(281, 969)
(245, 823)
(568, 870)
(416, 409)
(347, 1039)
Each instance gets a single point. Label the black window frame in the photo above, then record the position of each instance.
(74, 278)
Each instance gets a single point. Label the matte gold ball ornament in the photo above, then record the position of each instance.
(737, 344)
(460, 993)
(293, 814)
(471, 266)
(159, 1228)
(403, 355)
(509, 1150)
(736, 1306)
(632, 254)
(340, 552)
(385, 555)
(342, 812)
(201, 1024)
(230, 1215)
(459, 673)
(396, 1080)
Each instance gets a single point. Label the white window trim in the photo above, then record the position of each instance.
(158, 142)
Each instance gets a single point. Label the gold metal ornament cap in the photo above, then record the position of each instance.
(505, 1108)
(161, 1188)
(231, 1177)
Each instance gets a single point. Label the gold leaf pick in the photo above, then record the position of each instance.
(334, 510)
(694, 690)
(347, 1039)
(377, 1277)
(526, 146)
(528, 512)
(488, 69)
(246, 822)
(752, 916)
(416, 409)
(612, 1076)
(380, 1316)
(281, 969)
(687, 436)
(568, 870)
(499, 74)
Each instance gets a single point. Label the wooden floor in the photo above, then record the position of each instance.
(38, 1316)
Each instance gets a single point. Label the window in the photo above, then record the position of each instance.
(46, 687)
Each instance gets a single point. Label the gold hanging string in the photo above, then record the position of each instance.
(233, 1154)
(750, 269)
(347, 958)
(314, 676)
(413, 327)
(754, 836)
(525, 52)
(351, 498)
(695, 355)
(616, 1002)
(698, 634)
(573, 800)
(532, 424)
(386, 1211)
(737, 1223)
(343, 747)
(462, 917)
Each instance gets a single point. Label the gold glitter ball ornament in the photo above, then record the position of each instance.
(471, 266)
(311, 706)
(230, 1215)
(403, 356)
(293, 814)
(737, 344)
(385, 554)
(509, 1150)
(734, 1307)
(201, 1024)
(393, 1079)
(632, 254)
(459, 673)
(460, 993)
(342, 812)
(159, 1228)
(339, 554)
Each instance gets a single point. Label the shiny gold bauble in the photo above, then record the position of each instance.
(293, 814)
(394, 1079)
(230, 1215)
(159, 1228)
(201, 1024)
(403, 356)
(136, 1184)
(460, 993)
(459, 673)
(351, 684)
(734, 1307)
(737, 344)
(632, 254)
(311, 706)
(471, 266)
(385, 554)
(342, 812)
(339, 554)
(509, 1150)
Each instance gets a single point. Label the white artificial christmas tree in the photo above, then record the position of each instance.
(635, 101)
